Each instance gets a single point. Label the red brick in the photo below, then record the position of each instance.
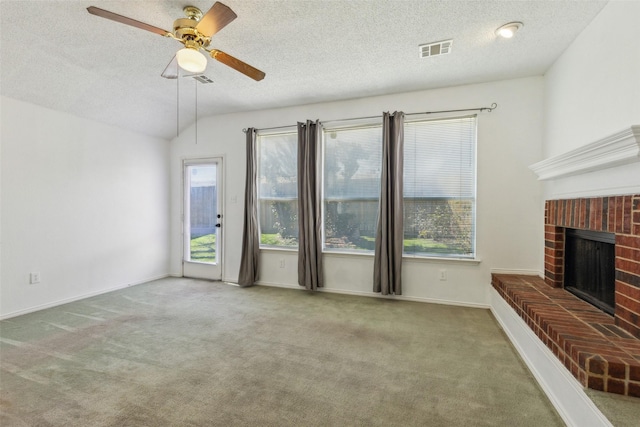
(628, 253)
(617, 369)
(633, 329)
(627, 215)
(612, 214)
(595, 383)
(628, 314)
(597, 214)
(636, 217)
(634, 389)
(634, 372)
(615, 386)
(628, 266)
(628, 241)
(628, 304)
(619, 214)
(582, 377)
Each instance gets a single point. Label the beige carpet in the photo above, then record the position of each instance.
(179, 352)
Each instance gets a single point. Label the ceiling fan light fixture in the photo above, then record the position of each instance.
(191, 60)
(508, 30)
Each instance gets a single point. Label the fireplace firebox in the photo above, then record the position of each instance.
(590, 272)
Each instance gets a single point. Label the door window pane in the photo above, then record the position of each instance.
(203, 210)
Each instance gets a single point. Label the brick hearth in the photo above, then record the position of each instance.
(600, 354)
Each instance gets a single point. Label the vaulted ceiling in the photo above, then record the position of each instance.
(55, 54)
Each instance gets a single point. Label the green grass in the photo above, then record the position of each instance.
(203, 248)
(277, 240)
(411, 246)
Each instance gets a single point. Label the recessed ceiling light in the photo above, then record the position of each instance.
(508, 30)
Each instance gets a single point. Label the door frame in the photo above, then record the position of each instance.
(203, 270)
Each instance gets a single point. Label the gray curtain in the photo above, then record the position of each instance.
(309, 214)
(250, 236)
(387, 274)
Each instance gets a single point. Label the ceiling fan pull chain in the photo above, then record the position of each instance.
(196, 121)
(178, 104)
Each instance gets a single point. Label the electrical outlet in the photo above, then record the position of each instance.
(34, 278)
(281, 262)
(443, 274)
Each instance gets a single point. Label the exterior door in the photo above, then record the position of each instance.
(203, 249)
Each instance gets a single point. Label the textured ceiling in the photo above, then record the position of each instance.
(55, 54)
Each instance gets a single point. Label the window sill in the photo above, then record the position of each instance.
(415, 258)
(277, 249)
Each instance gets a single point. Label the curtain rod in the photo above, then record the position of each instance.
(488, 109)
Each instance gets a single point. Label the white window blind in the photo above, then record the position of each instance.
(440, 187)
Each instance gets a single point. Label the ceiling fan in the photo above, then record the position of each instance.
(194, 32)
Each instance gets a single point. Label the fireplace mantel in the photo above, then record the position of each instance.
(618, 149)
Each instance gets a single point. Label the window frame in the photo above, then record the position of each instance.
(472, 256)
(346, 124)
(343, 126)
(288, 130)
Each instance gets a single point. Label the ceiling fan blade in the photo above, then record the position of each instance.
(171, 70)
(237, 65)
(215, 19)
(124, 20)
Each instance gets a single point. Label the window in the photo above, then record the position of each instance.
(439, 187)
(278, 189)
(351, 177)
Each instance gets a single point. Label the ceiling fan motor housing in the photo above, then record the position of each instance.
(185, 30)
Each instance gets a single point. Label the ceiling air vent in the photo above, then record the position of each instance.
(435, 49)
(202, 78)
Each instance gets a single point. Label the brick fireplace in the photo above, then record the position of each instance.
(616, 214)
(601, 351)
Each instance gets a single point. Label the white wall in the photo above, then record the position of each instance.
(593, 91)
(509, 213)
(84, 204)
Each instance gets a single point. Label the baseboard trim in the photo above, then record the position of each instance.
(375, 295)
(563, 390)
(78, 297)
